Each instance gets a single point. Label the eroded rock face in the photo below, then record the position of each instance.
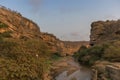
(104, 70)
(73, 46)
(63, 47)
(23, 28)
(20, 26)
(104, 31)
(114, 71)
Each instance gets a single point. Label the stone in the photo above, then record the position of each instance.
(106, 70)
(23, 28)
(104, 31)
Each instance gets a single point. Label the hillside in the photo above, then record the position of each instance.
(26, 53)
(20, 27)
(104, 54)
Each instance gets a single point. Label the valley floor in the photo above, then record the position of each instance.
(68, 69)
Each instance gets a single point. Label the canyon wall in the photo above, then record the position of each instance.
(104, 31)
(20, 27)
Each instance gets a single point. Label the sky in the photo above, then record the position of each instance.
(69, 20)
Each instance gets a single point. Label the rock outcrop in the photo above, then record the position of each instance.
(73, 46)
(63, 47)
(104, 31)
(20, 27)
(104, 70)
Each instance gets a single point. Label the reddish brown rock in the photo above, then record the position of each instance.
(23, 28)
(20, 26)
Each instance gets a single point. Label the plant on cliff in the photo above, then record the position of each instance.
(106, 51)
(87, 56)
(112, 53)
(56, 56)
(6, 34)
(23, 60)
(2, 25)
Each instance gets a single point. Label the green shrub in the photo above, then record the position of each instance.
(55, 56)
(81, 52)
(6, 34)
(87, 56)
(2, 25)
(107, 51)
(23, 60)
(112, 53)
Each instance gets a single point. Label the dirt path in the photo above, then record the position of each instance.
(67, 69)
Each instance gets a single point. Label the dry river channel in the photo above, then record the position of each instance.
(68, 69)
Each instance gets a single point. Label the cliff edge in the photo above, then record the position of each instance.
(104, 31)
(14, 25)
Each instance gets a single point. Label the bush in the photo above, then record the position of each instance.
(107, 51)
(87, 56)
(23, 60)
(112, 53)
(2, 25)
(55, 56)
(6, 34)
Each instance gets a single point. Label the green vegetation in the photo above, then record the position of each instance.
(112, 53)
(88, 56)
(6, 34)
(2, 25)
(23, 60)
(56, 56)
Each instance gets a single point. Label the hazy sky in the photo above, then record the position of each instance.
(67, 19)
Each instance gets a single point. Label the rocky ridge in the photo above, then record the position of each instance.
(23, 28)
(104, 31)
(20, 27)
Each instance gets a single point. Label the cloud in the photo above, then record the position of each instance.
(75, 34)
(35, 4)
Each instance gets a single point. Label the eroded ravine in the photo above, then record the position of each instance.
(68, 69)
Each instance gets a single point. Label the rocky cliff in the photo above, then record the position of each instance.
(20, 27)
(63, 47)
(104, 70)
(73, 46)
(104, 31)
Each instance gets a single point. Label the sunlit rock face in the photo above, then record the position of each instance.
(63, 47)
(19, 26)
(104, 31)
